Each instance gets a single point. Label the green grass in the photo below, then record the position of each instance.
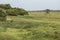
(36, 26)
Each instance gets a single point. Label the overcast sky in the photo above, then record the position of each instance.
(33, 4)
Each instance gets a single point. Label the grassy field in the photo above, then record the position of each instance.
(35, 26)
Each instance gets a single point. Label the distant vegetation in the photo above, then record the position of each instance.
(47, 11)
(34, 26)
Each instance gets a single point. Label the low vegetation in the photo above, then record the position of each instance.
(33, 26)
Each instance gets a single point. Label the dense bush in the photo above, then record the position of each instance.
(13, 11)
(16, 11)
(22, 12)
(5, 6)
(2, 14)
(6, 10)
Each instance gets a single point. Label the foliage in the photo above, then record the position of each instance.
(16, 11)
(22, 12)
(47, 11)
(13, 11)
(5, 6)
(2, 14)
(36, 26)
(6, 10)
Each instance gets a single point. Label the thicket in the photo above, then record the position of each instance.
(2, 14)
(12, 11)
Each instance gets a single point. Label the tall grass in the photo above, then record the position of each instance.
(33, 27)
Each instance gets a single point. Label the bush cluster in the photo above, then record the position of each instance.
(12, 11)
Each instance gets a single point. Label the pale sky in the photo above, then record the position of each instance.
(33, 4)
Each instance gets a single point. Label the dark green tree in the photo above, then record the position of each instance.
(47, 11)
(5, 6)
(13, 11)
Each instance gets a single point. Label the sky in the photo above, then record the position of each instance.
(33, 4)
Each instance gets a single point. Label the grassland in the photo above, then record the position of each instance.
(35, 26)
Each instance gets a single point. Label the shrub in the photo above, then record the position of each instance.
(3, 15)
(5, 6)
(13, 11)
(47, 11)
(16, 11)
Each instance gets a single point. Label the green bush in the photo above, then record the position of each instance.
(5, 6)
(16, 11)
(12, 11)
(22, 12)
(2, 14)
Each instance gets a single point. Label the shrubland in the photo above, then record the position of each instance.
(33, 26)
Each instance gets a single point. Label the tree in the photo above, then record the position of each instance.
(13, 11)
(47, 11)
(5, 6)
